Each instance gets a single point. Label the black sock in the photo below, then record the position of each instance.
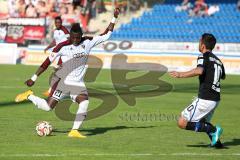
(201, 127)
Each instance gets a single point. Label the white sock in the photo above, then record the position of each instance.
(39, 102)
(81, 114)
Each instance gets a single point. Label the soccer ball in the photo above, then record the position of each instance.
(44, 128)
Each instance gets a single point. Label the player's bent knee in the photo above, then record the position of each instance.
(52, 103)
(182, 123)
(81, 98)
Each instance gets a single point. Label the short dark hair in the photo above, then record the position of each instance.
(209, 41)
(58, 18)
(76, 28)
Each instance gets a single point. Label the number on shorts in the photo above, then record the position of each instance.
(58, 93)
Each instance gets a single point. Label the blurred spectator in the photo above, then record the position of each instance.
(70, 9)
(93, 9)
(50, 5)
(135, 5)
(101, 6)
(122, 5)
(21, 6)
(42, 9)
(238, 5)
(213, 9)
(30, 11)
(3, 9)
(86, 13)
(185, 6)
(12, 8)
(200, 9)
(68, 13)
(62, 9)
(33, 2)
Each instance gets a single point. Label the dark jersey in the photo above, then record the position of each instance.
(213, 72)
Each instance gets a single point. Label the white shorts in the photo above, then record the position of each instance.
(199, 109)
(75, 89)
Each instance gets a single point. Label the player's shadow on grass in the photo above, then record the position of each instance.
(233, 142)
(102, 130)
(11, 103)
(193, 87)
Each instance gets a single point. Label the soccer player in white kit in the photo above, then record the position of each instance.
(76, 48)
(60, 34)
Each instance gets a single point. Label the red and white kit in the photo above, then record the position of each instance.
(68, 51)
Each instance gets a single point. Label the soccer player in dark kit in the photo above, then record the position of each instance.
(210, 69)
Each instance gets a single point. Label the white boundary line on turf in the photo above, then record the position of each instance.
(102, 154)
(205, 154)
(14, 87)
(100, 83)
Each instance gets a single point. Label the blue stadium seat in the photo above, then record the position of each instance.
(162, 23)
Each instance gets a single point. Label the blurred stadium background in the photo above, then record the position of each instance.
(165, 32)
(154, 32)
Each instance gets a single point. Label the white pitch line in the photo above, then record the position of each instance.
(14, 87)
(205, 154)
(102, 154)
(98, 83)
(69, 155)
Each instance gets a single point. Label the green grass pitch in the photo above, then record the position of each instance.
(118, 134)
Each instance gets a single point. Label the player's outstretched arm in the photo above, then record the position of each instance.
(52, 44)
(112, 23)
(192, 73)
(30, 82)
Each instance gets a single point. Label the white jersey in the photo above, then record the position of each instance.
(60, 35)
(68, 51)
